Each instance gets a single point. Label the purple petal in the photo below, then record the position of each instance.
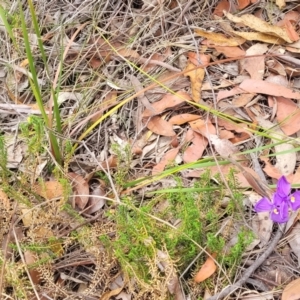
(295, 200)
(280, 215)
(263, 204)
(278, 199)
(283, 187)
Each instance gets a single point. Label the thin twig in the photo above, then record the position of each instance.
(230, 289)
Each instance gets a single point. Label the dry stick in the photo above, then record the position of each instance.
(228, 290)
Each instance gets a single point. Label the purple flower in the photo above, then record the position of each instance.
(281, 202)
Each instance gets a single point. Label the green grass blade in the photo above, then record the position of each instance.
(44, 58)
(7, 26)
(36, 89)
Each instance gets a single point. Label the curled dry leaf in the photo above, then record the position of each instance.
(166, 159)
(96, 200)
(196, 78)
(207, 269)
(219, 39)
(81, 190)
(260, 26)
(197, 75)
(291, 291)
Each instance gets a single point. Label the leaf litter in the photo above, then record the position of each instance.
(165, 101)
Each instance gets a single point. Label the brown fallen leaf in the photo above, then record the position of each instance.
(81, 190)
(198, 60)
(292, 33)
(242, 100)
(221, 6)
(259, 36)
(196, 78)
(288, 115)
(194, 151)
(183, 118)
(204, 127)
(207, 269)
(294, 240)
(166, 159)
(31, 259)
(243, 4)
(255, 66)
(219, 39)
(168, 101)
(49, 189)
(284, 152)
(230, 51)
(263, 87)
(292, 290)
(160, 126)
(229, 93)
(96, 200)
(260, 26)
(108, 295)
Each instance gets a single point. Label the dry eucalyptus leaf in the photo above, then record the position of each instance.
(167, 102)
(196, 77)
(81, 190)
(168, 158)
(262, 226)
(261, 223)
(207, 269)
(292, 291)
(49, 189)
(219, 39)
(259, 25)
(96, 200)
(294, 240)
(223, 147)
(259, 36)
(64, 96)
(286, 162)
(30, 259)
(160, 126)
(268, 88)
(255, 66)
